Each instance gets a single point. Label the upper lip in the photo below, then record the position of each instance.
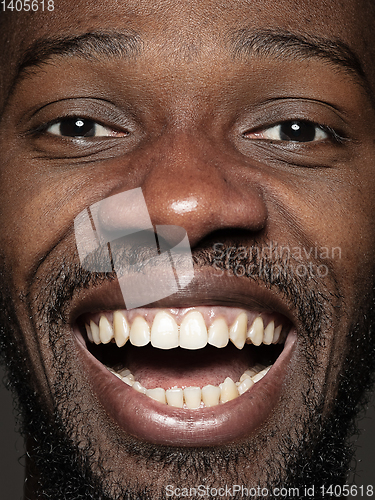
(205, 289)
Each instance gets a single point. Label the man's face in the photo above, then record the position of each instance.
(250, 125)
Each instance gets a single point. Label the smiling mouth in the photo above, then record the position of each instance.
(187, 379)
(187, 376)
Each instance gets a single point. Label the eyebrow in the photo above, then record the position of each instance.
(88, 46)
(266, 43)
(91, 46)
(280, 44)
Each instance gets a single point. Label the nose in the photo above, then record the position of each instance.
(189, 182)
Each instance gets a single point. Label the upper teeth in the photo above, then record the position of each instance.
(192, 333)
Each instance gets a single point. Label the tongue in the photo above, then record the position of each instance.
(183, 368)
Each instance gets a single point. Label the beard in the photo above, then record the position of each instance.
(61, 443)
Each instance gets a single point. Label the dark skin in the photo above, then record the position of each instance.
(188, 114)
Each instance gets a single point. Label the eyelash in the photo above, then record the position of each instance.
(54, 128)
(296, 126)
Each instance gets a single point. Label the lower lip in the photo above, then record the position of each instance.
(158, 423)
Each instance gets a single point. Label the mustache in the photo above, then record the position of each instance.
(311, 296)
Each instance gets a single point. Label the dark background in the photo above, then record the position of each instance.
(11, 446)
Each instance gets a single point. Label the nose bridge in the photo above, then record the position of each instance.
(191, 182)
(185, 163)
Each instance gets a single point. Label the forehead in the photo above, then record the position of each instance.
(193, 32)
(186, 25)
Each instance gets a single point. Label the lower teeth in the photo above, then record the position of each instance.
(196, 397)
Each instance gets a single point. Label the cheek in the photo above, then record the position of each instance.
(36, 211)
(332, 217)
(38, 203)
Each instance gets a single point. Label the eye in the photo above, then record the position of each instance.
(82, 127)
(292, 131)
